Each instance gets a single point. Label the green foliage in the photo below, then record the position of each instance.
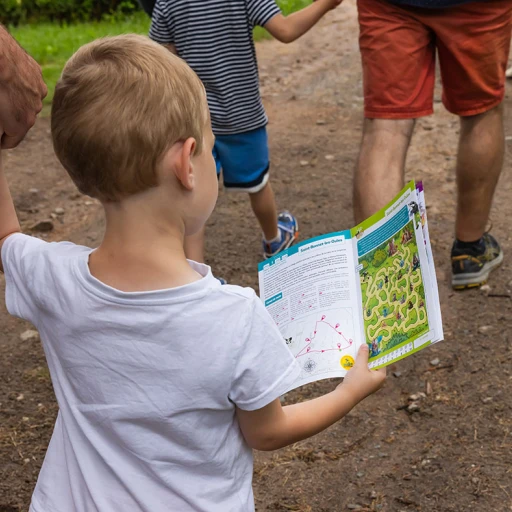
(379, 257)
(52, 45)
(14, 12)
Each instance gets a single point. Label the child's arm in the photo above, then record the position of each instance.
(172, 48)
(8, 219)
(289, 28)
(274, 427)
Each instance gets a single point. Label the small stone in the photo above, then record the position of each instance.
(354, 506)
(428, 388)
(329, 157)
(320, 122)
(59, 211)
(43, 225)
(373, 495)
(435, 362)
(29, 335)
(487, 400)
(414, 407)
(20, 397)
(25, 418)
(425, 462)
(415, 397)
(303, 163)
(397, 374)
(360, 474)
(485, 289)
(53, 215)
(383, 455)
(88, 203)
(26, 461)
(34, 191)
(484, 329)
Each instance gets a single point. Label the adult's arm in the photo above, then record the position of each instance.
(22, 91)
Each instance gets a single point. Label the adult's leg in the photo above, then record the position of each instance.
(479, 164)
(264, 207)
(380, 167)
(398, 58)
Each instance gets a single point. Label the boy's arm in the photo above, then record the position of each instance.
(274, 427)
(289, 28)
(8, 219)
(172, 48)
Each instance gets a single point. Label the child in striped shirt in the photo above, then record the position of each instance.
(215, 38)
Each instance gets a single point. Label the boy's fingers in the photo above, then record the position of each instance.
(362, 355)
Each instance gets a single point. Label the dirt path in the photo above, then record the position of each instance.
(452, 455)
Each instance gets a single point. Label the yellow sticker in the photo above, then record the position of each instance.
(347, 362)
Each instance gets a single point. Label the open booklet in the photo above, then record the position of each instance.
(373, 284)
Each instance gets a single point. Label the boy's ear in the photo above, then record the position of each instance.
(184, 168)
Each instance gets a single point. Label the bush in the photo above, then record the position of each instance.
(379, 257)
(13, 12)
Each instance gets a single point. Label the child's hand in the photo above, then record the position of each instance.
(360, 381)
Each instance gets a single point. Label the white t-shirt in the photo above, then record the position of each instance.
(146, 383)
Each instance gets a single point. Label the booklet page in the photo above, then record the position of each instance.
(311, 292)
(399, 304)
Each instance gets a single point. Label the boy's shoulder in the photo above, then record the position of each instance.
(19, 246)
(234, 298)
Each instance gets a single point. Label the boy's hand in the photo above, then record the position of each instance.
(22, 90)
(360, 381)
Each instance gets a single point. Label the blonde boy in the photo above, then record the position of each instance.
(165, 379)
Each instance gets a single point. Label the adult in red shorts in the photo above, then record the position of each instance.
(398, 41)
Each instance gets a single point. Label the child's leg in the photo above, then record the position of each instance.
(264, 207)
(194, 246)
(245, 165)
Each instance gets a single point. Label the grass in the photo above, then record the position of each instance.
(52, 45)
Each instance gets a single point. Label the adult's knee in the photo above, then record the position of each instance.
(388, 128)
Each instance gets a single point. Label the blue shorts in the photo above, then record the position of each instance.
(243, 159)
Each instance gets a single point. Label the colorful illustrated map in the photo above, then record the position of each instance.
(393, 293)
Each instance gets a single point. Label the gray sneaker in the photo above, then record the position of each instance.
(471, 266)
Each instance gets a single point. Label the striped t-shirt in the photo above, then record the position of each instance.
(215, 38)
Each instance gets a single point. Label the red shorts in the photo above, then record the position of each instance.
(398, 48)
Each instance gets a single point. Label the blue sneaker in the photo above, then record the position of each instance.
(221, 280)
(288, 232)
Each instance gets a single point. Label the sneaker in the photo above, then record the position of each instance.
(471, 266)
(221, 280)
(288, 232)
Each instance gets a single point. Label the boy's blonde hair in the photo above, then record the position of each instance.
(120, 103)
